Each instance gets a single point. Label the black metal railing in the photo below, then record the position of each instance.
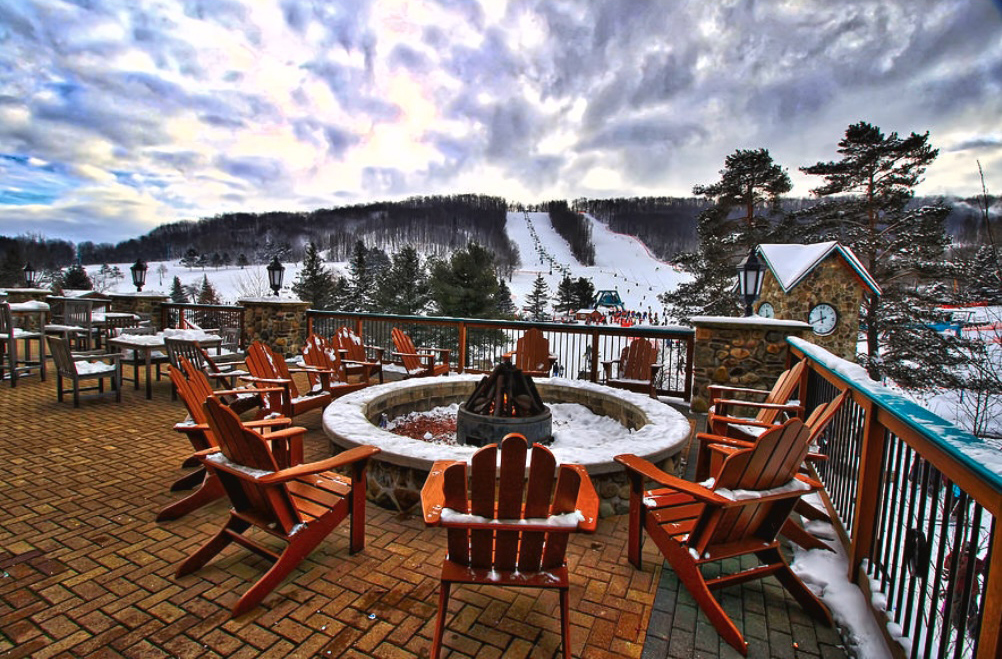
(478, 345)
(915, 501)
(224, 318)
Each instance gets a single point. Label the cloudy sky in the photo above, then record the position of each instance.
(118, 115)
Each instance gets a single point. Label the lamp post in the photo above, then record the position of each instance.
(750, 275)
(139, 274)
(275, 273)
(29, 276)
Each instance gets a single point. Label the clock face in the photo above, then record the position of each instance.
(823, 318)
(765, 310)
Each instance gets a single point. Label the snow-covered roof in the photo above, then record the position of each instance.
(791, 262)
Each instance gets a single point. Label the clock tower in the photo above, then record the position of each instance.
(822, 284)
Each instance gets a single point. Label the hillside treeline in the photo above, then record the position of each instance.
(435, 225)
(573, 228)
(667, 225)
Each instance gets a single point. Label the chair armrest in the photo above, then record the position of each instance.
(645, 469)
(792, 407)
(433, 492)
(713, 388)
(587, 503)
(268, 423)
(248, 391)
(280, 381)
(350, 456)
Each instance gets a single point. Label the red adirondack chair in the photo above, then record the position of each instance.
(298, 505)
(269, 370)
(419, 362)
(192, 385)
(532, 354)
(508, 542)
(327, 369)
(694, 525)
(354, 352)
(770, 405)
(638, 368)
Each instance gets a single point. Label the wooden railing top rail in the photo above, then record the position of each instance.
(953, 445)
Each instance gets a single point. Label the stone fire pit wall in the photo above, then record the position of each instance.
(395, 481)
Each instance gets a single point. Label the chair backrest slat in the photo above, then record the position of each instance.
(532, 351)
(455, 489)
(564, 500)
(78, 313)
(483, 481)
(6, 319)
(538, 495)
(245, 447)
(782, 392)
(60, 352)
(263, 362)
(351, 343)
(406, 348)
(511, 485)
(771, 462)
(637, 360)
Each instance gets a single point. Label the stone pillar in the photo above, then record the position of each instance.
(275, 321)
(739, 352)
(144, 305)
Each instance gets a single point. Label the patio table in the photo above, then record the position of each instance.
(39, 311)
(147, 344)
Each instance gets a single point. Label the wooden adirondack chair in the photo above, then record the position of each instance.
(354, 352)
(270, 370)
(638, 368)
(693, 525)
(299, 505)
(714, 449)
(508, 544)
(770, 405)
(194, 389)
(419, 362)
(532, 354)
(329, 370)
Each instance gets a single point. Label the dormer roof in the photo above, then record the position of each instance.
(790, 263)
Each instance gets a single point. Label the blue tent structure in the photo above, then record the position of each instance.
(609, 299)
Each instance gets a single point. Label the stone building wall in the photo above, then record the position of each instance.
(281, 324)
(832, 282)
(739, 352)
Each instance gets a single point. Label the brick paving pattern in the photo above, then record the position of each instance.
(85, 571)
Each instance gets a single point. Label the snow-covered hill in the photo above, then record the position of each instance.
(623, 263)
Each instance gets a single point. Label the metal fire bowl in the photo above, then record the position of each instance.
(479, 429)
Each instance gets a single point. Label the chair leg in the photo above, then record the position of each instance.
(76, 392)
(189, 481)
(301, 545)
(210, 490)
(807, 600)
(798, 534)
(443, 607)
(215, 545)
(565, 620)
(688, 573)
(59, 386)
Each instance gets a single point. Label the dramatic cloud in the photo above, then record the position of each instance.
(116, 116)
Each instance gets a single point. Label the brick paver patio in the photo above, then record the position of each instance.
(86, 571)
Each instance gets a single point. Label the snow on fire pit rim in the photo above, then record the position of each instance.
(345, 423)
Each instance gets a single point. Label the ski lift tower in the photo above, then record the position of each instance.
(609, 299)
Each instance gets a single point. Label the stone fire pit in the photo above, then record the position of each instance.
(395, 475)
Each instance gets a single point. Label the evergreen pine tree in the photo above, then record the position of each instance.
(190, 258)
(749, 181)
(242, 260)
(11, 268)
(207, 293)
(536, 302)
(505, 305)
(361, 283)
(403, 288)
(865, 206)
(565, 299)
(76, 278)
(177, 294)
(314, 283)
(584, 293)
(466, 285)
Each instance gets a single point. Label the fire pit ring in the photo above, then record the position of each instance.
(396, 474)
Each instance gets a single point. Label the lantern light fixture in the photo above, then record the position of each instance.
(276, 271)
(139, 269)
(751, 272)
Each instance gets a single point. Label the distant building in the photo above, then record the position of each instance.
(609, 299)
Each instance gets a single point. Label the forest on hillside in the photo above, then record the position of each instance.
(435, 225)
